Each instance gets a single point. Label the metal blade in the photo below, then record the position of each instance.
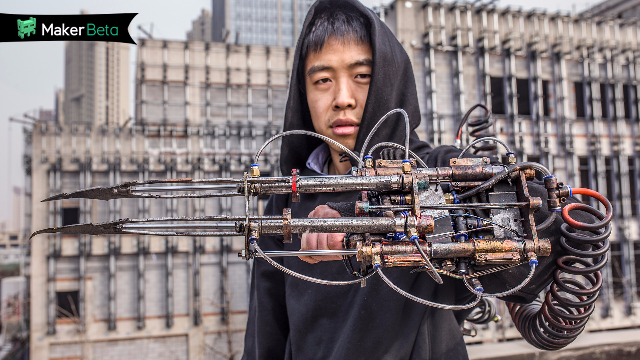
(142, 226)
(107, 228)
(126, 190)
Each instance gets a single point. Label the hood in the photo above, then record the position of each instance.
(392, 86)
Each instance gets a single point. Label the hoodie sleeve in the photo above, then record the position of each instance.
(267, 326)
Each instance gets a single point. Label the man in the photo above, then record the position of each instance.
(349, 70)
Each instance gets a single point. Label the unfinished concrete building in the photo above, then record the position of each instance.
(202, 111)
(563, 90)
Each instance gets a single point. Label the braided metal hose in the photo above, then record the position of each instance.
(563, 315)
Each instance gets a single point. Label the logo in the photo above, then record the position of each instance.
(26, 27)
(84, 27)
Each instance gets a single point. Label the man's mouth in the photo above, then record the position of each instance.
(343, 127)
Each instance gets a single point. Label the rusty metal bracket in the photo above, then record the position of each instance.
(286, 225)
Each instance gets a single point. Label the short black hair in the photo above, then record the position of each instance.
(343, 24)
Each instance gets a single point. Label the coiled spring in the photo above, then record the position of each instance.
(479, 128)
(483, 313)
(558, 320)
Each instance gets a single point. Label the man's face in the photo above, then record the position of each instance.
(337, 83)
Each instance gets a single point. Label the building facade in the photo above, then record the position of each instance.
(622, 9)
(202, 111)
(201, 28)
(563, 90)
(258, 22)
(96, 83)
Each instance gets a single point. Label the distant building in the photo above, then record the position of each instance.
(16, 209)
(96, 83)
(258, 22)
(201, 28)
(9, 240)
(47, 115)
(58, 110)
(621, 9)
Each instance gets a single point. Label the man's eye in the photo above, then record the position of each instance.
(322, 81)
(363, 76)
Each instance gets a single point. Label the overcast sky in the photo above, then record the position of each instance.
(30, 72)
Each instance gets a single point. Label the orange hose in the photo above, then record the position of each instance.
(579, 206)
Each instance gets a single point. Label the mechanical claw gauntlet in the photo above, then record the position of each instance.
(465, 221)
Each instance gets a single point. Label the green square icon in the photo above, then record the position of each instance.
(26, 27)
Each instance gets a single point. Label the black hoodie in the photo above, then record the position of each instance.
(291, 318)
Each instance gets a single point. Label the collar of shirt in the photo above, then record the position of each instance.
(318, 161)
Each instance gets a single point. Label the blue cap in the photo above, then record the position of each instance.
(548, 176)
(533, 262)
(414, 237)
(368, 157)
(406, 161)
(479, 289)
(570, 191)
(463, 236)
(255, 164)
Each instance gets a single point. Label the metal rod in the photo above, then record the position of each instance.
(225, 226)
(183, 187)
(344, 252)
(336, 225)
(450, 206)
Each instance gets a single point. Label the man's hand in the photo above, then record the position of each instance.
(321, 241)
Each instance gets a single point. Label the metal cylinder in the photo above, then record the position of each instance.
(334, 225)
(314, 184)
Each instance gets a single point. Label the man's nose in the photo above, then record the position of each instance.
(344, 98)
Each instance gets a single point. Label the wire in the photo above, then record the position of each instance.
(480, 218)
(310, 133)
(504, 293)
(501, 176)
(423, 301)
(484, 139)
(392, 144)
(304, 277)
(466, 117)
(488, 138)
(406, 137)
(547, 222)
(431, 269)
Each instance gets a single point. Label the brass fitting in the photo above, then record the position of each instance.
(255, 170)
(511, 158)
(368, 161)
(406, 166)
(448, 198)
